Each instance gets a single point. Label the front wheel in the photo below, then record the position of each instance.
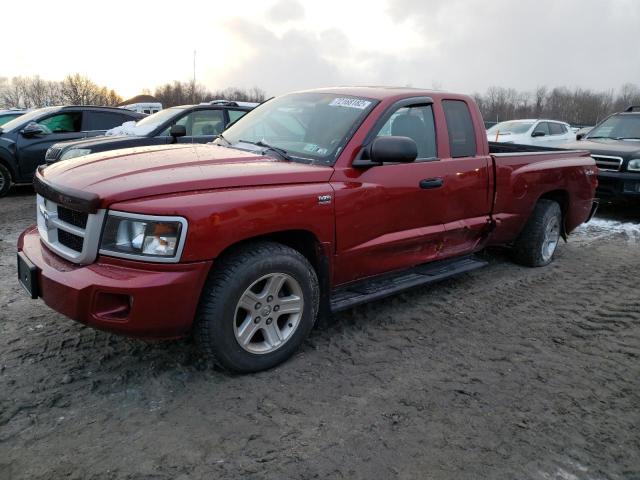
(537, 243)
(5, 180)
(257, 307)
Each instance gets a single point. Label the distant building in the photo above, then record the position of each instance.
(142, 104)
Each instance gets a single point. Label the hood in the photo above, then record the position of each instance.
(162, 170)
(93, 142)
(606, 146)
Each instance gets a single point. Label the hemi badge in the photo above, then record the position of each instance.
(324, 199)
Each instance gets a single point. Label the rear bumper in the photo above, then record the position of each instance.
(132, 298)
(618, 185)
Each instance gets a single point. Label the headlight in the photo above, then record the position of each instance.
(634, 165)
(143, 237)
(75, 152)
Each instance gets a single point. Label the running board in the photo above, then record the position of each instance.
(379, 287)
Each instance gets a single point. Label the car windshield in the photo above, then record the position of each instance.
(304, 126)
(22, 120)
(510, 127)
(620, 127)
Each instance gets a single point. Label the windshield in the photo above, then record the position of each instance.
(306, 126)
(31, 116)
(510, 127)
(620, 127)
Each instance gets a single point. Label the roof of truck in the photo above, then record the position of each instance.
(379, 92)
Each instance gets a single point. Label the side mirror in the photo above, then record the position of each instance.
(538, 134)
(579, 136)
(388, 150)
(32, 129)
(178, 131)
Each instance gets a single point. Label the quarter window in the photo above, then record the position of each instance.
(415, 122)
(462, 136)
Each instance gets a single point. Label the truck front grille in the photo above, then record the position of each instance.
(77, 219)
(71, 234)
(605, 162)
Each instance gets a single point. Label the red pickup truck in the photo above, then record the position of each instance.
(314, 202)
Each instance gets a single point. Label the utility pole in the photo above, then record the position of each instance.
(193, 88)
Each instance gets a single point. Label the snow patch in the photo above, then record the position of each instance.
(600, 228)
(131, 129)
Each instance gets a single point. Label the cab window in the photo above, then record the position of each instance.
(542, 127)
(462, 136)
(236, 114)
(201, 123)
(415, 122)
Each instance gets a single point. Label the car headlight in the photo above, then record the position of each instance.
(634, 165)
(75, 152)
(143, 237)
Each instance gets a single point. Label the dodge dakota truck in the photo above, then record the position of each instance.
(312, 203)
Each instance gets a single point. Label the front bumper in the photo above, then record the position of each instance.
(618, 185)
(133, 298)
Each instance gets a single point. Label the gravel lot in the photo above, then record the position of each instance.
(506, 372)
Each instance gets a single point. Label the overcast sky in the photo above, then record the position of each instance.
(284, 45)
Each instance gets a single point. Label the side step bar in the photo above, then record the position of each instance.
(379, 287)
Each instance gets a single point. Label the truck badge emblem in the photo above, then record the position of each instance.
(324, 199)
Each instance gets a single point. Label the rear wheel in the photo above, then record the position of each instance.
(539, 239)
(257, 307)
(5, 180)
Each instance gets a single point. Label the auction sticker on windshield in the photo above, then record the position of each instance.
(350, 102)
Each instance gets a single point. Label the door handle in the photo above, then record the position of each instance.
(431, 183)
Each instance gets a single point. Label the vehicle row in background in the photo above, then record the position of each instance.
(185, 124)
(541, 132)
(25, 139)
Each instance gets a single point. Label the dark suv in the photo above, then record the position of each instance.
(615, 146)
(24, 140)
(185, 124)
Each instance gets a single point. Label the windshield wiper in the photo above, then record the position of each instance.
(280, 151)
(627, 138)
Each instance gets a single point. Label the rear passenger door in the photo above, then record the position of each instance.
(58, 127)
(466, 176)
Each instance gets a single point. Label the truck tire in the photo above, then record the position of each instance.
(537, 243)
(5, 180)
(258, 305)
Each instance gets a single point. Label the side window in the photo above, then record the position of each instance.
(415, 122)
(104, 120)
(542, 127)
(236, 114)
(462, 136)
(556, 129)
(201, 123)
(67, 122)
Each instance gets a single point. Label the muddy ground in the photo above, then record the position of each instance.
(503, 373)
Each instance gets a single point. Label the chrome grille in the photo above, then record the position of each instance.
(71, 234)
(606, 162)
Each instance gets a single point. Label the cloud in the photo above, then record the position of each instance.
(285, 10)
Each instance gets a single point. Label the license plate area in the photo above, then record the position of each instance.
(28, 275)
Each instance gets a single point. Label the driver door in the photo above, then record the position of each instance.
(389, 217)
(31, 149)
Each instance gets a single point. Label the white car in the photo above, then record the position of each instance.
(543, 133)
